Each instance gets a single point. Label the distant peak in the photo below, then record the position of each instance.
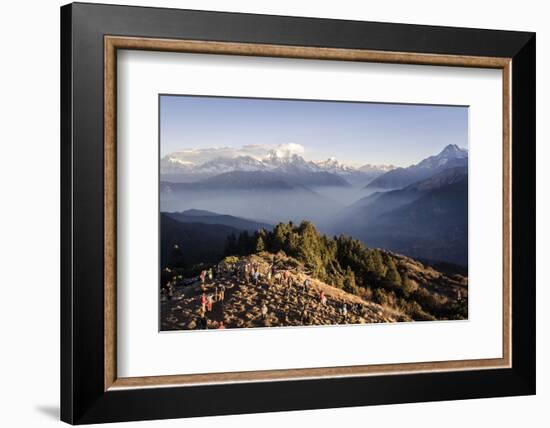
(331, 161)
(286, 151)
(195, 212)
(453, 149)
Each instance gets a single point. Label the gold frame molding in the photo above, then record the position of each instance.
(113, 43)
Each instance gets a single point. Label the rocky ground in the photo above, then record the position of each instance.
(288, 303)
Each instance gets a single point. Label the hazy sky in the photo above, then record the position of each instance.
(356, 133)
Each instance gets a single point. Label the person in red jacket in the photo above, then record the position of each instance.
(203, 302)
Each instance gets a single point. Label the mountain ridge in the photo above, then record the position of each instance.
(209, 217)
(415, 220)
(175, 165)
(451, 156)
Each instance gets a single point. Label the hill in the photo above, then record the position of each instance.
(209, 217)
(257, 194)
(434, 227)
(264, 180)
(427, 219)
(341, 267)
(288, 304)
(183, 245)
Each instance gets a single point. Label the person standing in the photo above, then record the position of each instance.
(344, 311)
(198, 323)
(247, 272)
(204, 321)
(221, 294)
(202, 276)
(304, 316)
(209, 302)
(322, 298)
(264, 311)
(286, 277)
(203, 302)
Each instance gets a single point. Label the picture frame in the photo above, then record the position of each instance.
(91, 390)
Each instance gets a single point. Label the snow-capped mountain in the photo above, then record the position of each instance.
(451, 156)
(241, 163)
(334, 166)
(376, 169)
(337, 167)
(288, 162)
(273, 161)
(450, 153)
(193, 165)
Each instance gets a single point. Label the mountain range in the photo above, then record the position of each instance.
(450, 156)
(182, 167)
(427, 219)
(420, 211)
(268, 195)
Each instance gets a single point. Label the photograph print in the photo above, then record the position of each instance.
(284, 212)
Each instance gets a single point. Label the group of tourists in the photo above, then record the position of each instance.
(207, 304)
(252, 273)
(206, 274)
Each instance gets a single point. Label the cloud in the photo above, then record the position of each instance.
(256, 151)
(289, 149)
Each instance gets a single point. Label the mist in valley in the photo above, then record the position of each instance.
(318, 205)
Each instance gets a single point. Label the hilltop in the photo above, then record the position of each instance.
(373, 285)
(288, 304)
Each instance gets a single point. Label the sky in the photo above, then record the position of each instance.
(352, 132)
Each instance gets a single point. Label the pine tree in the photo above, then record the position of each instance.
(349, 281)
(231, 245)
(260, 245)
(243, 243)
(408, 286)
(392, 275)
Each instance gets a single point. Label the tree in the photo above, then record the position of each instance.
(231, 245)
(349, 281)
(260, 245)
(380, 269)
(408, 285)
(380, 297)
(392, 275)
(243, 243)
